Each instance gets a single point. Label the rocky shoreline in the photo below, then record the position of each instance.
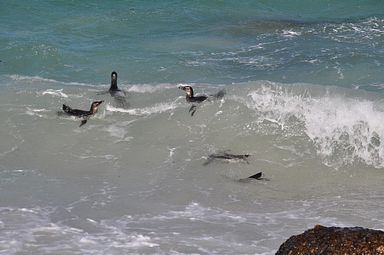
(335, 240)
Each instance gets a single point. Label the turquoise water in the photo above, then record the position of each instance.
(322, 42)
(304, 98)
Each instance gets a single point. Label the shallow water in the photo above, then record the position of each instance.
(303, 97)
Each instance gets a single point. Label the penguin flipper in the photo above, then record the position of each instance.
(83, 122)
(256, 176)
(193, 109)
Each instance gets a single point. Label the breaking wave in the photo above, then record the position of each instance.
(344, 130)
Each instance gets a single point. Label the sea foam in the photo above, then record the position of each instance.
(344, 130)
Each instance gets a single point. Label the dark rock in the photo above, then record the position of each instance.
(334, 240)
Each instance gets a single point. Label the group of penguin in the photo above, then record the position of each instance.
(119, 95)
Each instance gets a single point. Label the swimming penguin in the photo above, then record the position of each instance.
(85, 115)
(228, 157)
(113, 86)
(191, 98)
(116, 93)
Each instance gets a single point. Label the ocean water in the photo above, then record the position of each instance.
(304, 98)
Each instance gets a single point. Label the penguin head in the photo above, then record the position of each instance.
(188, 90)
(95, 105)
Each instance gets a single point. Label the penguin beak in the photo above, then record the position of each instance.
(182, 87)
(97, 103)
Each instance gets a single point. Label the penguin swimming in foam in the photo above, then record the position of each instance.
(118, 94)
(85, 115)
(191, 98)
(113, 89)
(227, 157)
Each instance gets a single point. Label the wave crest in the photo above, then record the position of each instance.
(343, 130)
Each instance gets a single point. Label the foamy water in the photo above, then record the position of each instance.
(304, 85)
(134, 181)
